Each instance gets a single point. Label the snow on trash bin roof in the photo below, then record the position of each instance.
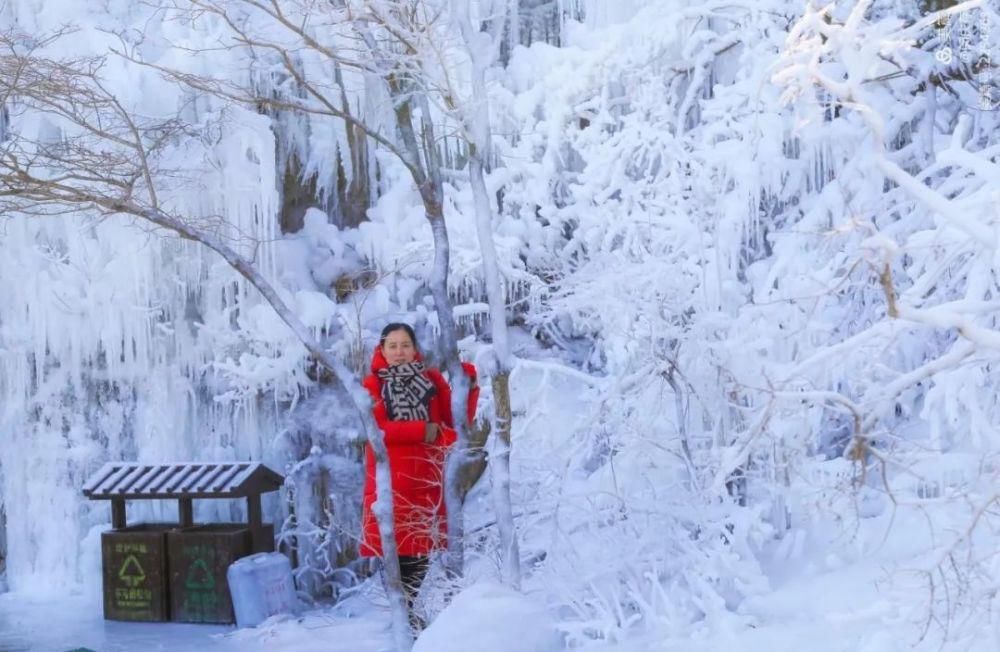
(130, 480)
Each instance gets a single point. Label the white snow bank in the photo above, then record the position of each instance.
(489, 617)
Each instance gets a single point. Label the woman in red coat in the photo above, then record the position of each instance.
(412, 406)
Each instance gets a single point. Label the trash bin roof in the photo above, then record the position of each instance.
(130, 480)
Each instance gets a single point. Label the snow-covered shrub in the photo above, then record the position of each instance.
(719, 228)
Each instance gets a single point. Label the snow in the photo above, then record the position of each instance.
(827, 594)
(69, 623)
(737, 244)
(496, 617)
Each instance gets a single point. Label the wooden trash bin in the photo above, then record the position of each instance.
(144, 563)
(134, 560)
(199, 557)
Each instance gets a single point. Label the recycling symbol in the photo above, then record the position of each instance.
(199, 577)
(131, 573)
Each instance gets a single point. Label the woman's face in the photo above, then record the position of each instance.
(398, 348)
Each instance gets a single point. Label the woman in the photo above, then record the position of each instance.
(412, 406)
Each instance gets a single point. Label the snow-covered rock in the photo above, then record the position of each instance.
(489, 617)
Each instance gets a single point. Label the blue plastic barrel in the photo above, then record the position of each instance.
(261, 586)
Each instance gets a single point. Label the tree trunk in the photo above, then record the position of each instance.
(510, 554)
(477, 122)
(463, 456)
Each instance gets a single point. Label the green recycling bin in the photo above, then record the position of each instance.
(198, 559)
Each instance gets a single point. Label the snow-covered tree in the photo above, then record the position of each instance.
(744, 254)
(103, 160)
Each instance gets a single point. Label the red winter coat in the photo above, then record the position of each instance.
(416, 468)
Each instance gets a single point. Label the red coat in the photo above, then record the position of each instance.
(417, 469)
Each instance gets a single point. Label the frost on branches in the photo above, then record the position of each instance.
(744, 255)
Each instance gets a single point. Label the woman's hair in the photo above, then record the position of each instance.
(398, 326)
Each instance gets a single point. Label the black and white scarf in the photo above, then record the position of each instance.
(406, 391)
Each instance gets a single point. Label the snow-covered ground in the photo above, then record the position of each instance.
(839, 580)
(826, 596)
(744, 245)
(60, 624)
